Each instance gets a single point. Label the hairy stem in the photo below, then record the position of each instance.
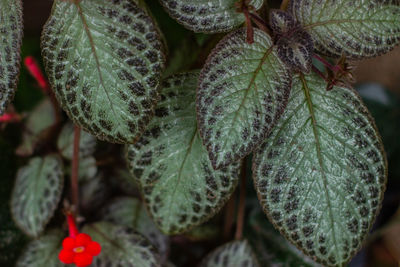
(260, 23)
(75, 169)
(327, 64)
(242, 202)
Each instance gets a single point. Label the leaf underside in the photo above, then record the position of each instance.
(233, 254)
(243, 90)
(130, 212)
(43, 252)
(179, 186)
(11, 26)
(321, 174)
(355, 28)
(121, 246)
(36, 194)
(209, 16)
(104, 60)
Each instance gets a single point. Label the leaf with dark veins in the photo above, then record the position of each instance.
(321, 173)
(104, 61)
(243, 90)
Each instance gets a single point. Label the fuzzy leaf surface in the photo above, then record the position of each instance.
(104, 59)
(321, 174)
(65, 142)
(209, 16)
(355, 28)
(11, 26)
(294, 45)
(131, 212)
(43, 252)
(178, 184)
(243, 90)
(36, 194)
(121, 246)
(234, 254)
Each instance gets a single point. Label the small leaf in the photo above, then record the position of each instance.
(104, 61)
(179, 185)
(37, 127)
(210, 16)
(65, 142)
(294, 45)
(11, 26)
(243, 90)
(130, 212)
(36, 194)
(355, 28)
(234, 254)
(121, 246)
(321, 173)
(43, 252)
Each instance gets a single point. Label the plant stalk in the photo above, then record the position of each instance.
(242, 202)
(75, 169)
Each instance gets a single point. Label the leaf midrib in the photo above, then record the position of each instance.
(252, 81)
(180, 172)
(93, 48)
(307, 95)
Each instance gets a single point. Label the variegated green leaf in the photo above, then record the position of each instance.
(43, 252)
(93, 192)
(321, 173)
(65, 142)
(355, 28)
(178, 183)
(131, 212)
(234, 254)
(243, 90)
(104, 59)
(208, 16)
(10, 44)
(121, 246)
(38, 125)
(37, 191)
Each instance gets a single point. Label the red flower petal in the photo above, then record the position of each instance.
(68, 243)
(83, 259)
(93, 248)
(66, 256)
(82, 239)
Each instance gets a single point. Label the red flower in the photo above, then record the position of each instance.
(34, 69)
(78, 248)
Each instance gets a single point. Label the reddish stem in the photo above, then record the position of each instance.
(327, 64)
(260, 23)
(75, 169)
(249, 26)
(73, 230)
(284, 5)
(317, 71)
(242, 202)
(229, 215)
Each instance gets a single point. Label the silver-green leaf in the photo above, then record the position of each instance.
(65, 142)
(121, 246)
(233, 254)
(355, 28)
(321, 174)
(243, 90)
(104, 61)
(43, 252)
(131, 212)
(10, 49)
(179, 186)
(36, 194)
(210, 16)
